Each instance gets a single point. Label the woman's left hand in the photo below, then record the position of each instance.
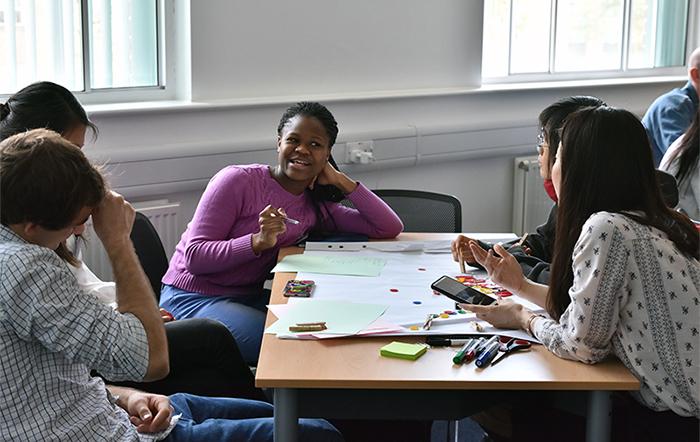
(501, 314)
(330, 175)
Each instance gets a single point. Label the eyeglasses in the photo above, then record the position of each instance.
(541, 144)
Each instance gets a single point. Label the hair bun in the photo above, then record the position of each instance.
(4, 110)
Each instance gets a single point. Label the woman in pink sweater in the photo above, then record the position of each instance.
(240, 224)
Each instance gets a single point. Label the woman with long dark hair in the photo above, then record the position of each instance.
(533, 251)
(682, 160)
(625, 277)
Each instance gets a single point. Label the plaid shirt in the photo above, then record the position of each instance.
(51, 335)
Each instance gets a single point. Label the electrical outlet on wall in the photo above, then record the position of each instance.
(359, 152)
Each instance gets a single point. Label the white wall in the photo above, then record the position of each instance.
(402, 72)
(297, 48)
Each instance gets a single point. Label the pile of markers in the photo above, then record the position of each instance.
(481, 350)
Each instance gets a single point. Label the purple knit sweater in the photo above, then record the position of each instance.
(215, 256)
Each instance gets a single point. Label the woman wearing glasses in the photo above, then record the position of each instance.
(534, 250)
(625, 276)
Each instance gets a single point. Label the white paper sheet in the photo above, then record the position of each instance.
(404, 286)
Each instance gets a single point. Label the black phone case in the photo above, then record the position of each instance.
(475, 294)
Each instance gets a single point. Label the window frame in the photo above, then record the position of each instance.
(692, 40)
(167, 80)
(167, 88)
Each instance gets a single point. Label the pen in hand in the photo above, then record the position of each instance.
(286, 218)
(462, 268)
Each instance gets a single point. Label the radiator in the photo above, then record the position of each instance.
(531, 205)
(163, 215)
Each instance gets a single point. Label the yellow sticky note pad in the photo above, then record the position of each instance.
(403, 350)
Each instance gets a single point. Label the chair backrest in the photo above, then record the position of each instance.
(150, 251)
(423, 211)
(669, 188)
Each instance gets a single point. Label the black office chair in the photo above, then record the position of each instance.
(150, 251)
(669, 188)
(423, 211)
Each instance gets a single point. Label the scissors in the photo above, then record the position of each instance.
(512, 345)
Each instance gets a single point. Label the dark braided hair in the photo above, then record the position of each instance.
(314, 110)
(321, 193)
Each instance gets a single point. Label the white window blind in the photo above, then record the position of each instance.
(540, 40)
(84, 45)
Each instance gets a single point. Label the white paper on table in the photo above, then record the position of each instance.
(427, 246)
(341, 316)
(409, 274)
(382, 246)
(279, 309)
(378, 327)
(404, 285)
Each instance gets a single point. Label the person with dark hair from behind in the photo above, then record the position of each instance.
(204, 357)
(52, 333)
(534, 250)
(625, 276)
(671, 113)
(247, 213)
(682, 160)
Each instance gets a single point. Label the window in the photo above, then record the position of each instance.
(541, 40)
(85, 45)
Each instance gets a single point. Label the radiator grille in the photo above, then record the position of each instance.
(163, 215)
(531, 205)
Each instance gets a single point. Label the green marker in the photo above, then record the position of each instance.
(462, 353)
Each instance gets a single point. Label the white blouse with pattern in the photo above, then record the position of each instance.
(634, 295)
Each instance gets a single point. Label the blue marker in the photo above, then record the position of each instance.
(486, 356)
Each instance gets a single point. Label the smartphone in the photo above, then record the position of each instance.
(454, 289)
(300, 288)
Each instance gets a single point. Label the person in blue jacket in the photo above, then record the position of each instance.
(669, 115)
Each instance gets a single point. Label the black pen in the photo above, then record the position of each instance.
(437, 341)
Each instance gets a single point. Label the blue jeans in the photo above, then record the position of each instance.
(225, 419)
(244, 316)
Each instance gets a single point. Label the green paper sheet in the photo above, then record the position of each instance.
(340, 317)
(333, 265)
(403, 350)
